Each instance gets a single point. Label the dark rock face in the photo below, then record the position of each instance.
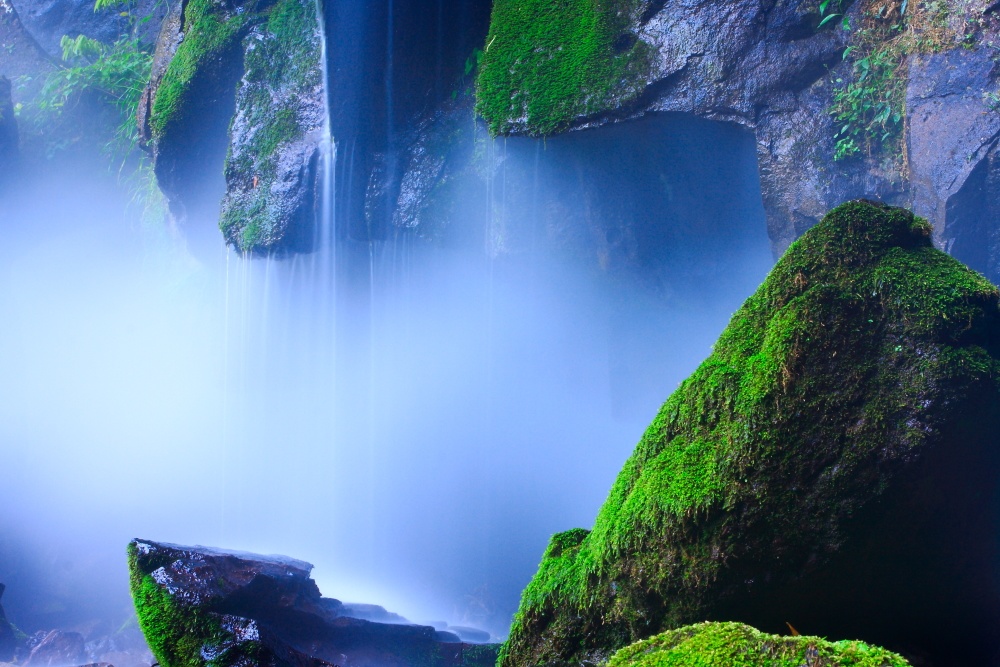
(833, 463)
(9, 154)
(773, 68)
(8, 636)
(22, 54)
(49, 20)
(244, 609)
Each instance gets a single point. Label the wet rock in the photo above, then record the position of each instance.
(276, 135)
(773, 68)
(245, 609)
(58, 648)
(825, 465)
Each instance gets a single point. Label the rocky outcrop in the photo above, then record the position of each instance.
(198, 605)
(901, 93)
(825, 465)
(242, 80)
(727, 644)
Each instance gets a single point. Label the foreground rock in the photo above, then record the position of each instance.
(198, 605)
(827, 464)
(727, 644)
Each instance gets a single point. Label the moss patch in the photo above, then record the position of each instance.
(546, 63)
(212, 33)
(180, 635)
(738, 645)
(856, 353)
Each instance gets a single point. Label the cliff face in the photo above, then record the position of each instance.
(865, 98)
(822, 465)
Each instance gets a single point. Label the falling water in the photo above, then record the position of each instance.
(415, 415)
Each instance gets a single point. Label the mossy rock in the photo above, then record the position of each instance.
(271, 167)
(238, 84)
(833, 462)
(546, 64)
(738, 645)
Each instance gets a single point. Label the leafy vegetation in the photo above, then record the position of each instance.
(116, 73)
(546, 63)
(738, 645)
(868, 107)
(834, 342)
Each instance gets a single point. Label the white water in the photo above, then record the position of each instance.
(417, 430)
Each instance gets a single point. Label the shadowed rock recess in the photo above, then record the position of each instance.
(199, 606)
(833, 463)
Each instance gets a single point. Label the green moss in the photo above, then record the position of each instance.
(176, 635)
(479, 655)
(211, 33)
(738, 645)
(547, 63)
(814, 391)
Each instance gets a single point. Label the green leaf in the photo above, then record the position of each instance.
(827, 20)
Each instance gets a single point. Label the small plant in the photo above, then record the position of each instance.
(117, 73)
(868, 108)
(828, 13)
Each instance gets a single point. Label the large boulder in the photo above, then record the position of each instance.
(833, 462)
(728, 644)
(201, 606)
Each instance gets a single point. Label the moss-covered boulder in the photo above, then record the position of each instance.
(738, 645)
(239, 83)
(833, 463)
(202, 607)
